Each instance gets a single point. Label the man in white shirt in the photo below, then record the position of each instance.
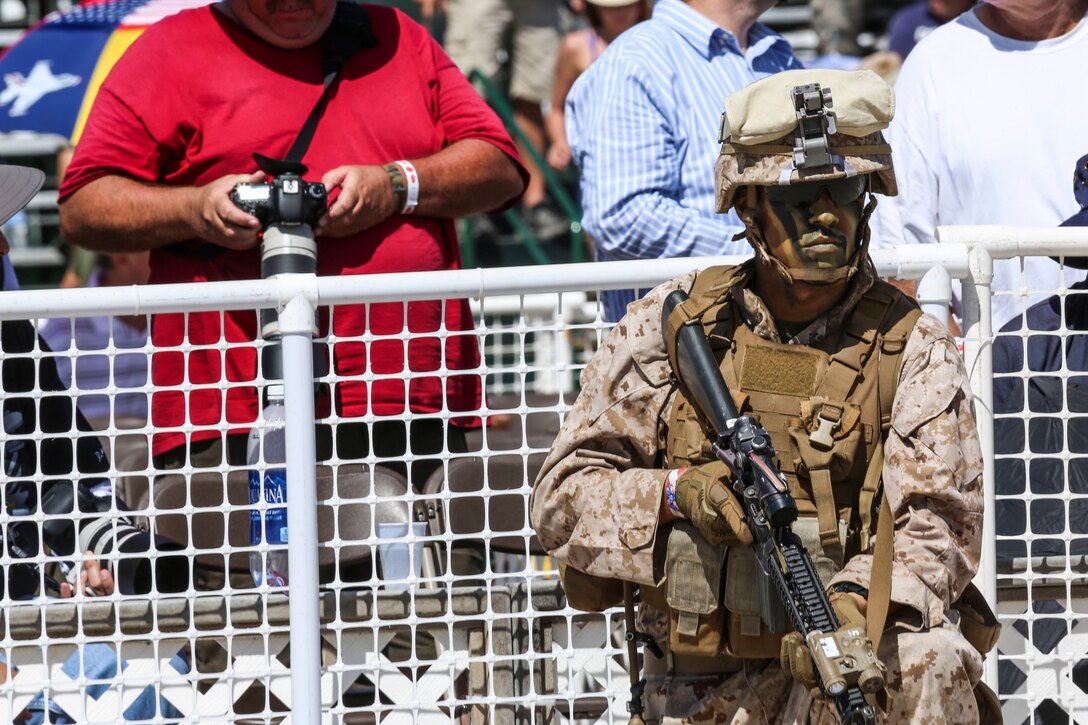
(990, 117)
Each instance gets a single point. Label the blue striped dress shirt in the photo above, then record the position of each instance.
(642, 123)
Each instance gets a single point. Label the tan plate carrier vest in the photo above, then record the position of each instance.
(825, 416)
(826, 408)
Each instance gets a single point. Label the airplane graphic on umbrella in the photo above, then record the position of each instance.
(51, 75)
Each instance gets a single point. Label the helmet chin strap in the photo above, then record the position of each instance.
(814, 276)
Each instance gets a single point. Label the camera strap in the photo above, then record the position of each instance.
(349, 33)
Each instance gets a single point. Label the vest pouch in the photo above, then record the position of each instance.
(979, 626)
(827, 563)
(693, 571)
(587, 592)
(749, 637)
(989, 707)
(818, 442)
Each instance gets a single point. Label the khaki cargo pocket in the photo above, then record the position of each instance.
(693, 571)
(587, 592)
(748, 637)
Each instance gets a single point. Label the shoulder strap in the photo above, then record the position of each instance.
(862, 335)
(880, 577)
(349, 33)
(711, 284)
(892, 344)
(905, 312)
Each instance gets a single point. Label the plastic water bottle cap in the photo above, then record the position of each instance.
(275, 391)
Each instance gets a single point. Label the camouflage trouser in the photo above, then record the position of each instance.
(930, 679)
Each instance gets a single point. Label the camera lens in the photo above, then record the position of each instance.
(107, 538)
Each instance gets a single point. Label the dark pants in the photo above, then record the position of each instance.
(391, 441)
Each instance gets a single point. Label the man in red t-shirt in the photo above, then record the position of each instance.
(168, 138)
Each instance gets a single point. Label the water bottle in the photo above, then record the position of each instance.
(17, 230)
(273, 440)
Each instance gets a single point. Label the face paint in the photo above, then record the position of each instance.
(817, 235)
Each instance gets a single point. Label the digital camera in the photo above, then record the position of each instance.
(286, 200)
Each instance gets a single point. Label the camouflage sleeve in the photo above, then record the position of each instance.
(596, 500)
(932, 477)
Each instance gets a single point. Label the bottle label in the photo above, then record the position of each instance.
(275, 492)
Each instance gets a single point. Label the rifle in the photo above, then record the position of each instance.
(845, 664)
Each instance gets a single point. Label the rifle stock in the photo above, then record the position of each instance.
(770, 509)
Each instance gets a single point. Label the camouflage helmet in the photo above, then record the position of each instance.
(806, 125)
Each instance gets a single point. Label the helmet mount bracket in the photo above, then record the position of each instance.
(815, 125)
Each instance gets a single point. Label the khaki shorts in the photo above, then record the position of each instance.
(477, 30)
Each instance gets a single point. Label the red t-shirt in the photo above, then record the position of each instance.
(190, 102)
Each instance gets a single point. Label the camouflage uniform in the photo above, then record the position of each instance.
(596, 504)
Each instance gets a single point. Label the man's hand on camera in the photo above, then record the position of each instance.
(218, 220)
(704, 498)
(93, 580)
(362, 197)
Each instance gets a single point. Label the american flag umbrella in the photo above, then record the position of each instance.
(51, 75)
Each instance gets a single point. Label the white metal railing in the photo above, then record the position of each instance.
(524, 654)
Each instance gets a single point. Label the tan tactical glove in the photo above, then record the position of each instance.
(796, 659)
(703, 496)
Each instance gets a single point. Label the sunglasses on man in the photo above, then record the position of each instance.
(842, 191)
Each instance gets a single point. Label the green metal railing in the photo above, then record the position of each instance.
(556, 190)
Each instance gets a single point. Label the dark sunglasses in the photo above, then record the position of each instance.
(842, 191)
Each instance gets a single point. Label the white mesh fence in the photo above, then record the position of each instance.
(1040, 359)
(478, 629)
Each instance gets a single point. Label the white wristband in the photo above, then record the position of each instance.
(411, 179)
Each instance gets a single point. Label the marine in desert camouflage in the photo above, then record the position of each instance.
(866, 401)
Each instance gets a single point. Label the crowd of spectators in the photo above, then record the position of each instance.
(515, 45)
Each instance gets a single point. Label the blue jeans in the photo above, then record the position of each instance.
(100, 663)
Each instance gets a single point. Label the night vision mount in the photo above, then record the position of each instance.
(815, 125)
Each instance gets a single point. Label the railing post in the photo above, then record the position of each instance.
(978, 357)
(935, 293)
(297, 324)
